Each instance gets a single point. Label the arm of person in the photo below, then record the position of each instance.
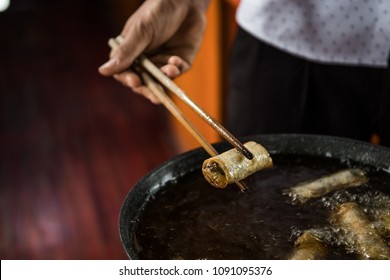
(170, 32)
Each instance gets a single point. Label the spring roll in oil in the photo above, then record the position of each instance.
(358, 232)
(309, 246)
(231, 166)
(316, 188)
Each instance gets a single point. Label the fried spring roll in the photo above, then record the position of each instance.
(308, 246)
(231, 166)
(324, 185)
(358, 232)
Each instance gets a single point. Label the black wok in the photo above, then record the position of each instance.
(283, 144)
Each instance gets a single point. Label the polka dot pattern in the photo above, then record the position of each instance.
(331, 31)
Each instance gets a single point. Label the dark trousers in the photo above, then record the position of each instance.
(272, 91)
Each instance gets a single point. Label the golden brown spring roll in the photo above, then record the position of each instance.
(359, 233)
(231, 166)
(319, 187)
(309, 246)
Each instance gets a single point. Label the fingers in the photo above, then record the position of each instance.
(172, 69)
(172, 66)
(133, 81)
(107, 69)
(129, 79)
(135, 38)
(160, 28)
(151, 27)
(122, 57)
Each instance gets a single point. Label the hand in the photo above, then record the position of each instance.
(169, 32)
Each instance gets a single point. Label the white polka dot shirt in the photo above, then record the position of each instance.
(355, 32)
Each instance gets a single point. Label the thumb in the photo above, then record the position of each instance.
(123, 56)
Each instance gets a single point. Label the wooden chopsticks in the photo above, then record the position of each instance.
(144, 67)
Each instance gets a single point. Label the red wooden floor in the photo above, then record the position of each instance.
(72, 143)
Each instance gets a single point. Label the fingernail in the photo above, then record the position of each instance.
(109, 64)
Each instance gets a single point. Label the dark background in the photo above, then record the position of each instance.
(72, 143)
